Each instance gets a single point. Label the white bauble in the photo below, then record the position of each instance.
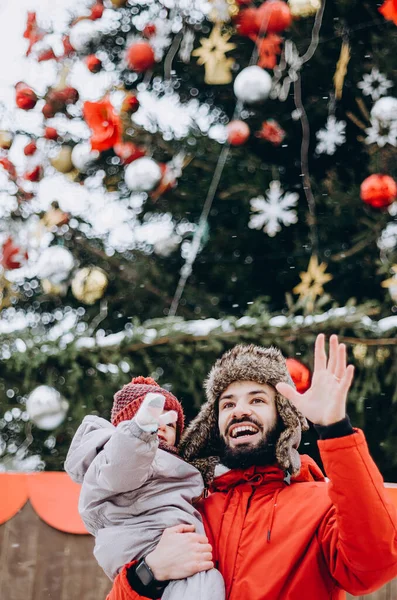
(55, 264)
(142, 175)
(83, 156)
(46, 407)
(252, 85)
(388, 239)
(385, 110)
(82, 34)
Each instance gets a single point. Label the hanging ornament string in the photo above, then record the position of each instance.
(304, 155)
(198, 234)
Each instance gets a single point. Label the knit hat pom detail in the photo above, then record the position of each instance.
(144, 381)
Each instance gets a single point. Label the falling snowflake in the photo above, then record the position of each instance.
(331, 136)
(377, 134)
(274, 210)
(374, 84)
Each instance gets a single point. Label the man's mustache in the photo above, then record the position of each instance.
(244, 420)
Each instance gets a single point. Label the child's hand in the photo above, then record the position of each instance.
(149, 415)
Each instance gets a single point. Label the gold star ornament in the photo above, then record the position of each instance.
(212, 54)
(312, 281)
(391, 284)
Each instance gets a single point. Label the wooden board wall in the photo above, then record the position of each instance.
(38, 562)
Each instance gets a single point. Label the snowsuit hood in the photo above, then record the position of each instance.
(88, 441)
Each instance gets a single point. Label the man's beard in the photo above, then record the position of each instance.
(245, 456)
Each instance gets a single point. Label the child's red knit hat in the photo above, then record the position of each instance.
(128, 400)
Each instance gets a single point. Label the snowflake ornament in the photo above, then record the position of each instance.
(274, 211)
(381, 135)
(374, 84)
(387, 242)
(332, 136)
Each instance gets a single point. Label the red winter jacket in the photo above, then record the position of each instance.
(309, 539)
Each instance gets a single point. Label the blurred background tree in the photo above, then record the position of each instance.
(194, 175)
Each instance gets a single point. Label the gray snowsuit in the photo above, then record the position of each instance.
(131, 491)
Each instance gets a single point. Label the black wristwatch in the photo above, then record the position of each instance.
(142, 580)
(144, 573)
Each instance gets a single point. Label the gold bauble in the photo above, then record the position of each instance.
(55, 217)
(62, 162)
(89, 284)
(6, 139)
(382, 354)
(360, 352)
(118, 3)
(304, 8)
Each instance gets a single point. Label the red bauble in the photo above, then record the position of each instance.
(35, 174)
(300, 374)
(48, 111)
(93, 63)
(25, 97)
(50, 133)
(272, 132)
(9, 167)
(30, 149)
(46, 54)
(237, 133)
(149, 30)
(12, 257)
(140, 57)
(246, 22)
(273, 16)
(379, 191)
(130, 103)
(97, 11)
(128, 152)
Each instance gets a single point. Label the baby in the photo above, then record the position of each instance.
(134, 485)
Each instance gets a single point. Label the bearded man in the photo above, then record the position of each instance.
(275, 528)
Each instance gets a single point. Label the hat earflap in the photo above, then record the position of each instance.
(287, 446)
(200, 439)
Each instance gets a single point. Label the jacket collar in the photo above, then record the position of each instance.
(268, 474)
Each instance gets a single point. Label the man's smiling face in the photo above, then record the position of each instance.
(248, 423)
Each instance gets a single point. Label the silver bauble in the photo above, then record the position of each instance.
(252, 85)
(46, 407)
(385, 110)
(55, 264)
(142, 175)
(83, 157)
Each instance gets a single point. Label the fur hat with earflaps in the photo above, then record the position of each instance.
(200, 443)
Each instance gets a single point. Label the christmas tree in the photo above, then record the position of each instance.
(196, 174)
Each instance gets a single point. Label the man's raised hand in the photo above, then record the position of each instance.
(324, 403)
